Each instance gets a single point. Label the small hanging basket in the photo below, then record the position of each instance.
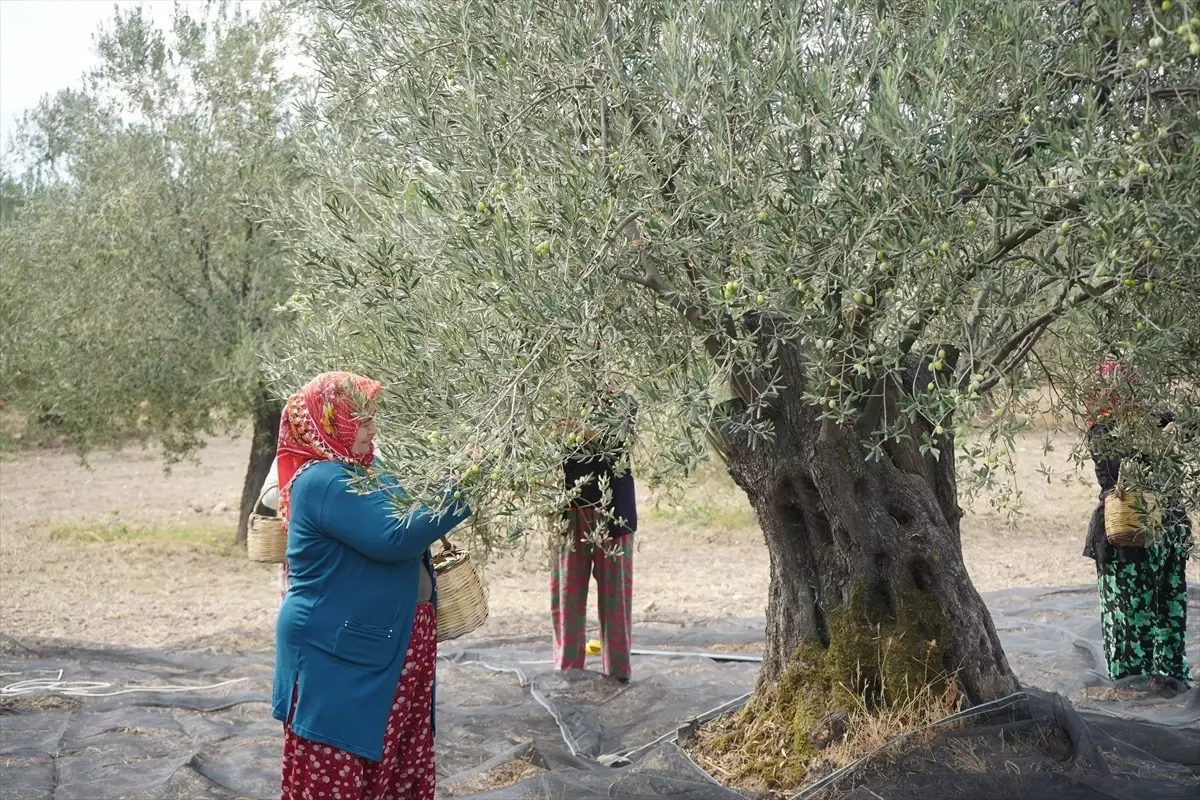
(266, 540)
(462, 599)
(1127, 515)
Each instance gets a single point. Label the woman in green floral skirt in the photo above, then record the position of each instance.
(1143, 590)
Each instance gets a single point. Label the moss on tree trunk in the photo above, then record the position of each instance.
(870, 608)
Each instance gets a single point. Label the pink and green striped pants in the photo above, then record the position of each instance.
(571, 572)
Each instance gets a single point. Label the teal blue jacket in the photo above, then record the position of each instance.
(343, 629)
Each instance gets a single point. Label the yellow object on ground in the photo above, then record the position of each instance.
(593, 647)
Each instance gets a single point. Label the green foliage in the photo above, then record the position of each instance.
(12, 197)
(770, 196)
(139, 281)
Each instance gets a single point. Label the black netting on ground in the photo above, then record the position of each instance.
(1032, 745)
(206, 732)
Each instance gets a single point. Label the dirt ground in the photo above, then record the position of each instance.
(122, 553)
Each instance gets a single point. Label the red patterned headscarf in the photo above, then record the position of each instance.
(1112, 389)
(320, 423)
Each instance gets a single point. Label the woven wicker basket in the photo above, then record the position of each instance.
(1126, 515)
(266, 540)
(462, 599)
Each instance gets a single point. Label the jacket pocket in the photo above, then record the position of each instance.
(365, 645)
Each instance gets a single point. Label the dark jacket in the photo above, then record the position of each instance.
(607, 459)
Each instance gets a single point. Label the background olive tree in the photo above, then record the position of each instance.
(12, 197)
(139, 281)
(843, 242)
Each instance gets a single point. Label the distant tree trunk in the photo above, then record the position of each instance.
(262, 454)
(874, 545)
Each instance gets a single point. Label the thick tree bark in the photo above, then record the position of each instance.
(262, 454)
(837, 526)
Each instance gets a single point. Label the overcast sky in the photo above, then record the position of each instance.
(46, 45)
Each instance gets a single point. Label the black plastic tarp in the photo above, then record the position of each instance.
(193, 725)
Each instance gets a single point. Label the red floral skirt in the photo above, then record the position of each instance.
(313, 771)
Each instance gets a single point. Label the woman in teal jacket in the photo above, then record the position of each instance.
(356, 639)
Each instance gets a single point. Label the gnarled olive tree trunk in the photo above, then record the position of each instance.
(262, 454)
(864, 550)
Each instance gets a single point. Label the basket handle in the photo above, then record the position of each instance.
(447, 545)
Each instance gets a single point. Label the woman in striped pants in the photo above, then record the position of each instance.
(601, 521)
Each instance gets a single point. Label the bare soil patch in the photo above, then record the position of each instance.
(123, 553)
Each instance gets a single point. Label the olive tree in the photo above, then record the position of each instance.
(12, 197)
(140, 281)
(836, 244)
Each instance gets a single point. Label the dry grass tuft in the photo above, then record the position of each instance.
(966, 755)
(835, 704)
(23, 704)
(1111, 694)
(207, 539)
(504, 775)
(789, 738)
(869, 731)
(773, 751)
(747, 647)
